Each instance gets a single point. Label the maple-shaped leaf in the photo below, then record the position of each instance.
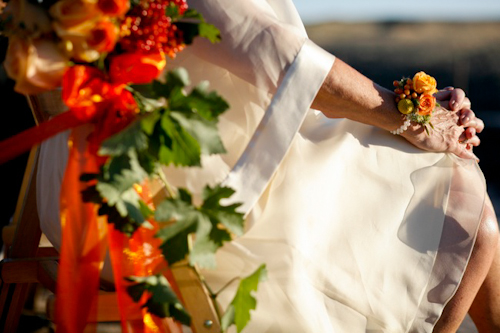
(121, 223)
(200, 100)
(204, 131)
(211, 226)
(190, 30)
(228, 215)
(131, 137)
(178, 146)
(175, 246)
(162, 301)
(172, 89)
(189, 235)
(238, 311)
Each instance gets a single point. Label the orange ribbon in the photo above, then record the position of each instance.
(109, 107)
(83, 242)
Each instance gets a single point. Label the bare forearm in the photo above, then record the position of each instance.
(346, 93)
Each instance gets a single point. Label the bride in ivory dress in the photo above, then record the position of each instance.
(361, 230)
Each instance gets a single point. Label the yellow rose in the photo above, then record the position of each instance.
(424, 84)
(36, 65)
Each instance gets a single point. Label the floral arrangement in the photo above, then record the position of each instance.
(414, 98)
(129, 119)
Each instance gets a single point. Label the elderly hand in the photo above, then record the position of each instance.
(455, 126)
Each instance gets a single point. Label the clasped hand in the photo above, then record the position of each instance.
(455, 126)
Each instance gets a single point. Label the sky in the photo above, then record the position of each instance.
(317, 11)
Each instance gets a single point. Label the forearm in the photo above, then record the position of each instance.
(346, 93)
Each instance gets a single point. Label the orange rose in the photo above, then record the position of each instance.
(85, 92)
(35, 65)
(86, 41)
(114, 7)
(424, 84)
(427, 104)
(138, 68)
(103, 36)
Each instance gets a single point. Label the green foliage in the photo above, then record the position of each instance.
(211, 225)
(238, 312)
(162, 301)
(176, 127)
(176, 131)
(194, 25)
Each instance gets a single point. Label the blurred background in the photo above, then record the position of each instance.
(456, 41)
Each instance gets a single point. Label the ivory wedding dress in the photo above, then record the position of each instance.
(360, 231)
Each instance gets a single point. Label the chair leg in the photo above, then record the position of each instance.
(12, 298)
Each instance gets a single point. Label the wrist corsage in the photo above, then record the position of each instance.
(415, 100)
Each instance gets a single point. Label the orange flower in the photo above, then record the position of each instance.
(85, 91)
(424, 84)
(136, 67)
(103, 36)
(427, 104)
(35, 65)
(114, 7)
(69, 13)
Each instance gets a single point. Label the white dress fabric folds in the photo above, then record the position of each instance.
(360, 231)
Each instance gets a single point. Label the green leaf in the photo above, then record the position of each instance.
(189, 30)
(193, 14)
(148, 123)
(228, 215)
(238, 312)
(163, 302)
(120, 223)
(203, 252)
(209, 32)
(206, 103)
(196, 26)
(145, 210)
(180, 147)
(211, 225)
(204, 131)
(176, 80)
(130, 138)
(175, 243)
(185, 196)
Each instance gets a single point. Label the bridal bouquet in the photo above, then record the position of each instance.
(128, 119)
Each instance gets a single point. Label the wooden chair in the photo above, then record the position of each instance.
(27, 263)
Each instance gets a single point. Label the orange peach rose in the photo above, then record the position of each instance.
(424, 84)
(103, 36)
(427, 104)
(114, 7)
(36, 65)
(86, 41)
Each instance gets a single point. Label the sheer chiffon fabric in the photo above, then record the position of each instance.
(360, 231)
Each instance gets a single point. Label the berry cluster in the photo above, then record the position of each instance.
(406, 97)
(148, 29)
